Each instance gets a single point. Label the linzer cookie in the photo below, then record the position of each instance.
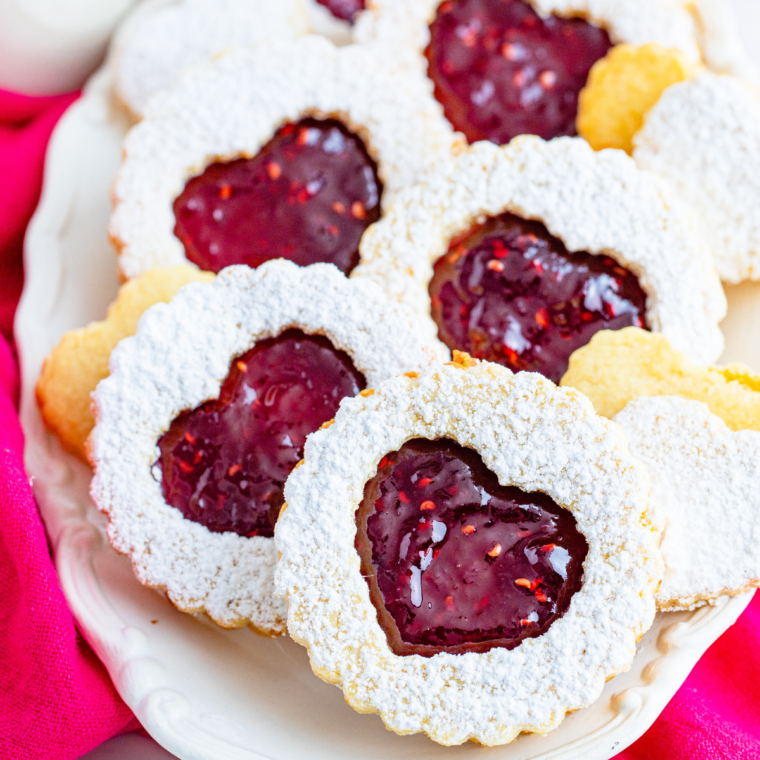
(206, 412)
(704, 483)
(468, 553)
(520, 254)
(293, 152)
(502, 68)
(188, 33)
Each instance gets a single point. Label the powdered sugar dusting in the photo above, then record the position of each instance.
(191, 32)
(231, 108)
(704, 136)
(532, 435)
(596, 202)
(705, 483)
(179, 359)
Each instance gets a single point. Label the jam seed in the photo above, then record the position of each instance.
(274, 170)
(383, 462)
(403, 497)
(426, 505)
(495, 266)
(541, 596)
(542, 317)
(468, 529)
(424, 482)
(496, 551)
(547, 79)
(536, 583)
(456, 255)
(547, 547)
(524, 582)
(338, 208)
(242, 366)
(510, 51)
(190, 438)
(358, 211)
(185, 467)
(234, 470)
(449, 602)
(225, 191)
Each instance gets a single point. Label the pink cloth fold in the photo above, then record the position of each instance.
(56, 700)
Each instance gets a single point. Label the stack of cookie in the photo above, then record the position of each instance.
(320, 205)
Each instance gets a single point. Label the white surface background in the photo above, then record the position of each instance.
(137, 747)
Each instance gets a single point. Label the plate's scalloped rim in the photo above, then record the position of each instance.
(75, 527)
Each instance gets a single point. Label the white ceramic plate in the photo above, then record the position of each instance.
(209, 694)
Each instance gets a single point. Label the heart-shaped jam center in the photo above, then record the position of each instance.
(500, 70)
(456, 562)
(510, 292)
(346, 10)
(225, 463)
(307, 197)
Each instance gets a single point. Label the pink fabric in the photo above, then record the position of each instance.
(56, 700)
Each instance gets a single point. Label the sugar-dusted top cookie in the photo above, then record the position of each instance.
(704, 137)
(467, 552)
(205, 414)
(519, 254)
(704, 484)
(180, 35)
(286, 152)
(503, 68)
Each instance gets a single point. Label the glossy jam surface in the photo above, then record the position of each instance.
(307, 196)
(511, 293)
(225, 463)
(500, 70)
(454, 561)
(346, 10)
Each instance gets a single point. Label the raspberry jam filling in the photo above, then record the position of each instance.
(346, 10)
(500, 70)
(510, 292)
(307, 196)
(225, 463)
(456, 562)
